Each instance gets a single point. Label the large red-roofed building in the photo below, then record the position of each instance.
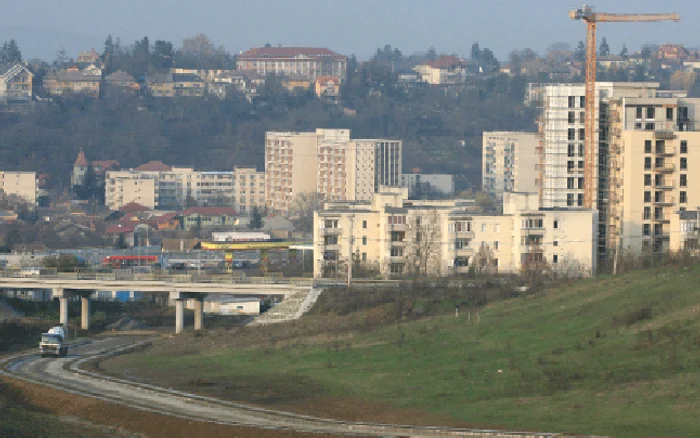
(305, 62)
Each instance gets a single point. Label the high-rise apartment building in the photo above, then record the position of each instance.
(330, 163)
(248, 189)
(20, 184)
(654, 150)
(509, 163)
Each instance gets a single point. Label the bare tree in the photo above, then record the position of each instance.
(303, 208)
(484, 261)
(423, 249)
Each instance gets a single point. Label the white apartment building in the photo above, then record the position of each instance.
(509, 163)
(330, 163)
(159, 186)
(21, 184)
(398, 237)
(304, 62)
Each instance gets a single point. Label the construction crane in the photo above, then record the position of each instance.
(592, 19)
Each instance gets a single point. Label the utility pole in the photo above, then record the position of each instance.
(351, 241)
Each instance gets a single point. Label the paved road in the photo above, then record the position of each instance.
(65, 374)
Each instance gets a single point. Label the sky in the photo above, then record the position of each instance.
(42, 27)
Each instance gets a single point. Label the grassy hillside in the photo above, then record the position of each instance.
(608, 356)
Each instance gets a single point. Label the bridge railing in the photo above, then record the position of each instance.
(126, 275)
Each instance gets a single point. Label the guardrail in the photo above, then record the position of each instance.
(157, 277)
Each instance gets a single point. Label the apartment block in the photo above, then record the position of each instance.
(330, 163)
(393, 236)
(509, 163)
(654, 148)
(21, 184)
(157, 185)
(291, 162)
(248, 189)
(425, 184)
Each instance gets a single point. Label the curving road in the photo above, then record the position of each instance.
(65, 374)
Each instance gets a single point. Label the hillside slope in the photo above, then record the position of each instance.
(608, 356)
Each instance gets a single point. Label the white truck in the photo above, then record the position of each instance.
(53, 342)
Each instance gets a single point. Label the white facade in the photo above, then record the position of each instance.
(509, 163)
(21, 184)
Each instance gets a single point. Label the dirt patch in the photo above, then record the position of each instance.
(133, 420)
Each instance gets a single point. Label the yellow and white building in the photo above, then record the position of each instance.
(509, 163)
(395, 236)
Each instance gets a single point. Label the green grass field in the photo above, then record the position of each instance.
(607, 356)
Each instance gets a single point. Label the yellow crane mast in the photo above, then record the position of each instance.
(592, 18)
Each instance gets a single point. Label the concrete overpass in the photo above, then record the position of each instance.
(179, 287)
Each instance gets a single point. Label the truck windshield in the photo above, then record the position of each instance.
(50, 339)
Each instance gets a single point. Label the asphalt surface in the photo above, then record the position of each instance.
(65, 374)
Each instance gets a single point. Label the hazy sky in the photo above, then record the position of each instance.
(347, 26)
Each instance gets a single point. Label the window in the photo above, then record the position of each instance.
(569, 199)
(364, 240)
(580, 183)
(580, 199)
(647, 163)
(647, 212)
(669, 114)
(556, 224)
(684, 180)
(483, 228)
(582, 101)
(658, 180)
(580, 150)
(572, 117)
(364, 224)
(658, 213)
(496, 244)
(364, 256)
(572, 150)
(649, 126)
(684, 146)
(639, 112)
(581, 133)
(569, 165)
(647, 179)
(684, 163)
(555, 258)
(572, 134)
(555, 243)
(396, 252)
(684, 197)
(650, 112)
(647, 196)
(497, 228)
(580, 164)
(570, 183)
(646, 230)
(660, 146)
(572, 101)
(647, 146)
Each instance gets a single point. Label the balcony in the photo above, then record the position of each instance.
(667, 151)
(665, 186)
(665, 200)
(665, 168)
(665, 130)
(464, 234)
(464, 252)
(665, 219)
(330, 231)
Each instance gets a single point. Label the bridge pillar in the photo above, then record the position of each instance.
(199, 313)
(179, 315)
(85, 313)
(63, 311)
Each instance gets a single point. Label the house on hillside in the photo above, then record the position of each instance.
(161, 85)
(187, 85)
(15, 83)
(309, 62)
(327, 87)
(121, 81)
(73, 81)
(444, 70)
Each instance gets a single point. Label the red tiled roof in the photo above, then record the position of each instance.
(104, 165)
(165, 217)
(288, 52)
(444, 62)
(118, 229)
(133, 207)
(81, 161)
(210, 211)
(154, 166)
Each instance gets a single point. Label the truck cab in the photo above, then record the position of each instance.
(53, 343)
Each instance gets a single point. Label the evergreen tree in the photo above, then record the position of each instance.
(475, 52)
(10, 53)
(580, 52)
(623, 52)
(604, 49)
(256, 219)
